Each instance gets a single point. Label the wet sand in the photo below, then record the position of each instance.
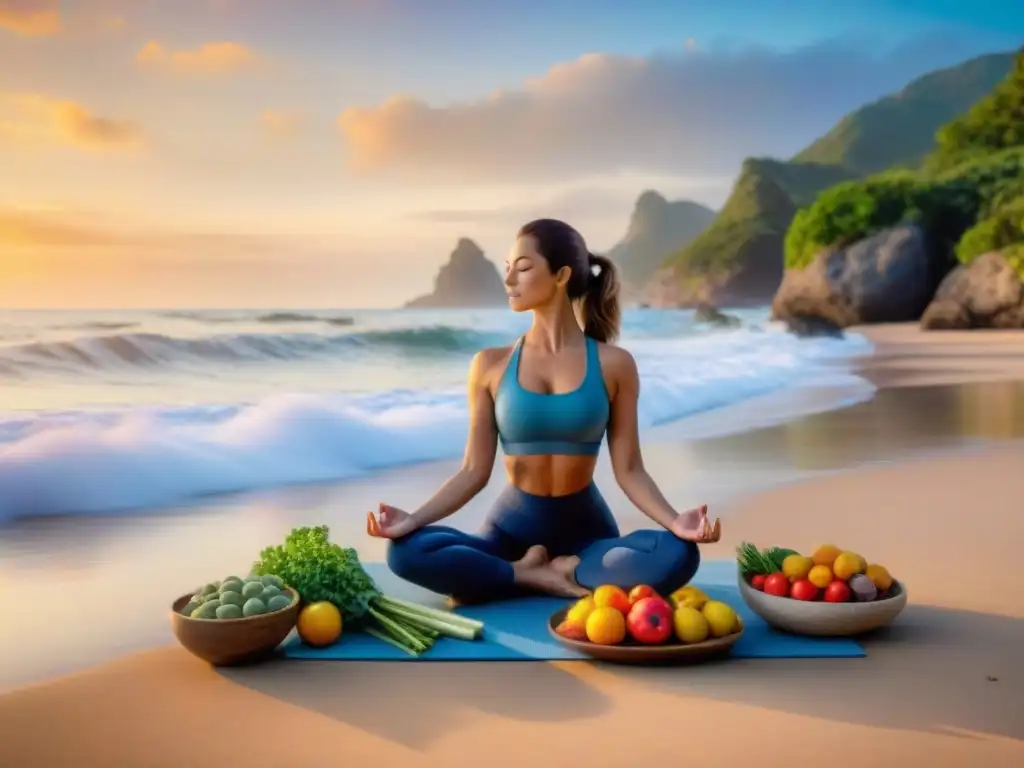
(925, 478)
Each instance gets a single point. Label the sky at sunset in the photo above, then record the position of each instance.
(330, 152)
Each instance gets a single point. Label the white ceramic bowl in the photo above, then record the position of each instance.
(823, 619)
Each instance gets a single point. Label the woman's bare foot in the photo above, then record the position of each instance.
(552, 578)
(535, 555)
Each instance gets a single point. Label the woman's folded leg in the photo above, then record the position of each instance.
(452, 562)
(658, 559)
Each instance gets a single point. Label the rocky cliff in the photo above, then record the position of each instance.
(468, 279)
(739, 258)
(656, 229)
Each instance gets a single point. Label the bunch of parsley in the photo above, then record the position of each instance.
(320, 570)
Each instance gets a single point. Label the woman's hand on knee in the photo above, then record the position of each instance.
(693, 525)
(390, 523)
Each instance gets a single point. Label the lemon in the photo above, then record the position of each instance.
(721, 618)
(688, 597)
(581, 610)
(690, 624)
(820, 576)
(796, 567)
(848, 564)
(879, 577)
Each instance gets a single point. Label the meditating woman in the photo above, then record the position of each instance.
(549, 398)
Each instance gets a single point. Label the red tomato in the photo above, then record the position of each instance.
(650, 621)
(803, 589)
(758, 581)
(777, 584)
(639, 592)
(838, 592)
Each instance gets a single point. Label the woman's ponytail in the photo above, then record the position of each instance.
(600, 304)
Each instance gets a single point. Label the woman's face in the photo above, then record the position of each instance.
(528, 279)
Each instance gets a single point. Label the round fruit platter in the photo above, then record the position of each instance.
(833, 592)
(641, 627)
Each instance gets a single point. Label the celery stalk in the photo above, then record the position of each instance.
(397, 629)
(446, 617)
(451, 630)
(373, 632)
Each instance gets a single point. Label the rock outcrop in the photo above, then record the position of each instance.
(469, 279)
(710, 314)
(657, 229)
(885, 278)
(987, 293)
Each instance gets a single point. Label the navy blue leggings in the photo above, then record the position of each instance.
(478, 567)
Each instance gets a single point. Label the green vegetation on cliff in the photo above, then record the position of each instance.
(968, 196)
(760, 207)
(899, 130)
(896, 131)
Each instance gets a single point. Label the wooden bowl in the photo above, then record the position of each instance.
(632, 652)
(230, 642)
(822, 619)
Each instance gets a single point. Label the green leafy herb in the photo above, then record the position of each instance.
(752, 560)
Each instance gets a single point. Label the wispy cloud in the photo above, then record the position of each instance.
(64, 228)
(695, 112)
(38, 119)
(214, 58)
(36, 18)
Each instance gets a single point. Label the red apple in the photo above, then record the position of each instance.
(639, 592)
(758, 581)
(803, 589)
(650, 620)
(777, 584)
(838, 592)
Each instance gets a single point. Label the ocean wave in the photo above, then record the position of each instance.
(92, 461)
(266, 317)
(149, 350)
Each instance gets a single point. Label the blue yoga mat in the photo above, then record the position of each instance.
(517, 630)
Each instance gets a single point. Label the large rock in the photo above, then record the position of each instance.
(469, 279)
(987, 293)
(885, 278)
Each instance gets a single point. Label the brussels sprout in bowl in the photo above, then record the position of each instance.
(235, 621)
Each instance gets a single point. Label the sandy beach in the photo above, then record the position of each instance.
(924, 477)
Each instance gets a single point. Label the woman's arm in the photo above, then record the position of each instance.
(481, 446)
(624, 441)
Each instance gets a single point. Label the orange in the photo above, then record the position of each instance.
(606, 626)
(826, 554)
(319, 623)
(609, 596)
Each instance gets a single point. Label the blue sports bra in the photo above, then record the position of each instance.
(566, 424)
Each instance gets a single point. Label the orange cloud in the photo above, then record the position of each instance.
(32, 118)
(35, 18)
(217, 58)
(281, 124)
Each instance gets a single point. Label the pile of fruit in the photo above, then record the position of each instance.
(611, 616)
(830, 574)
(235, 598)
